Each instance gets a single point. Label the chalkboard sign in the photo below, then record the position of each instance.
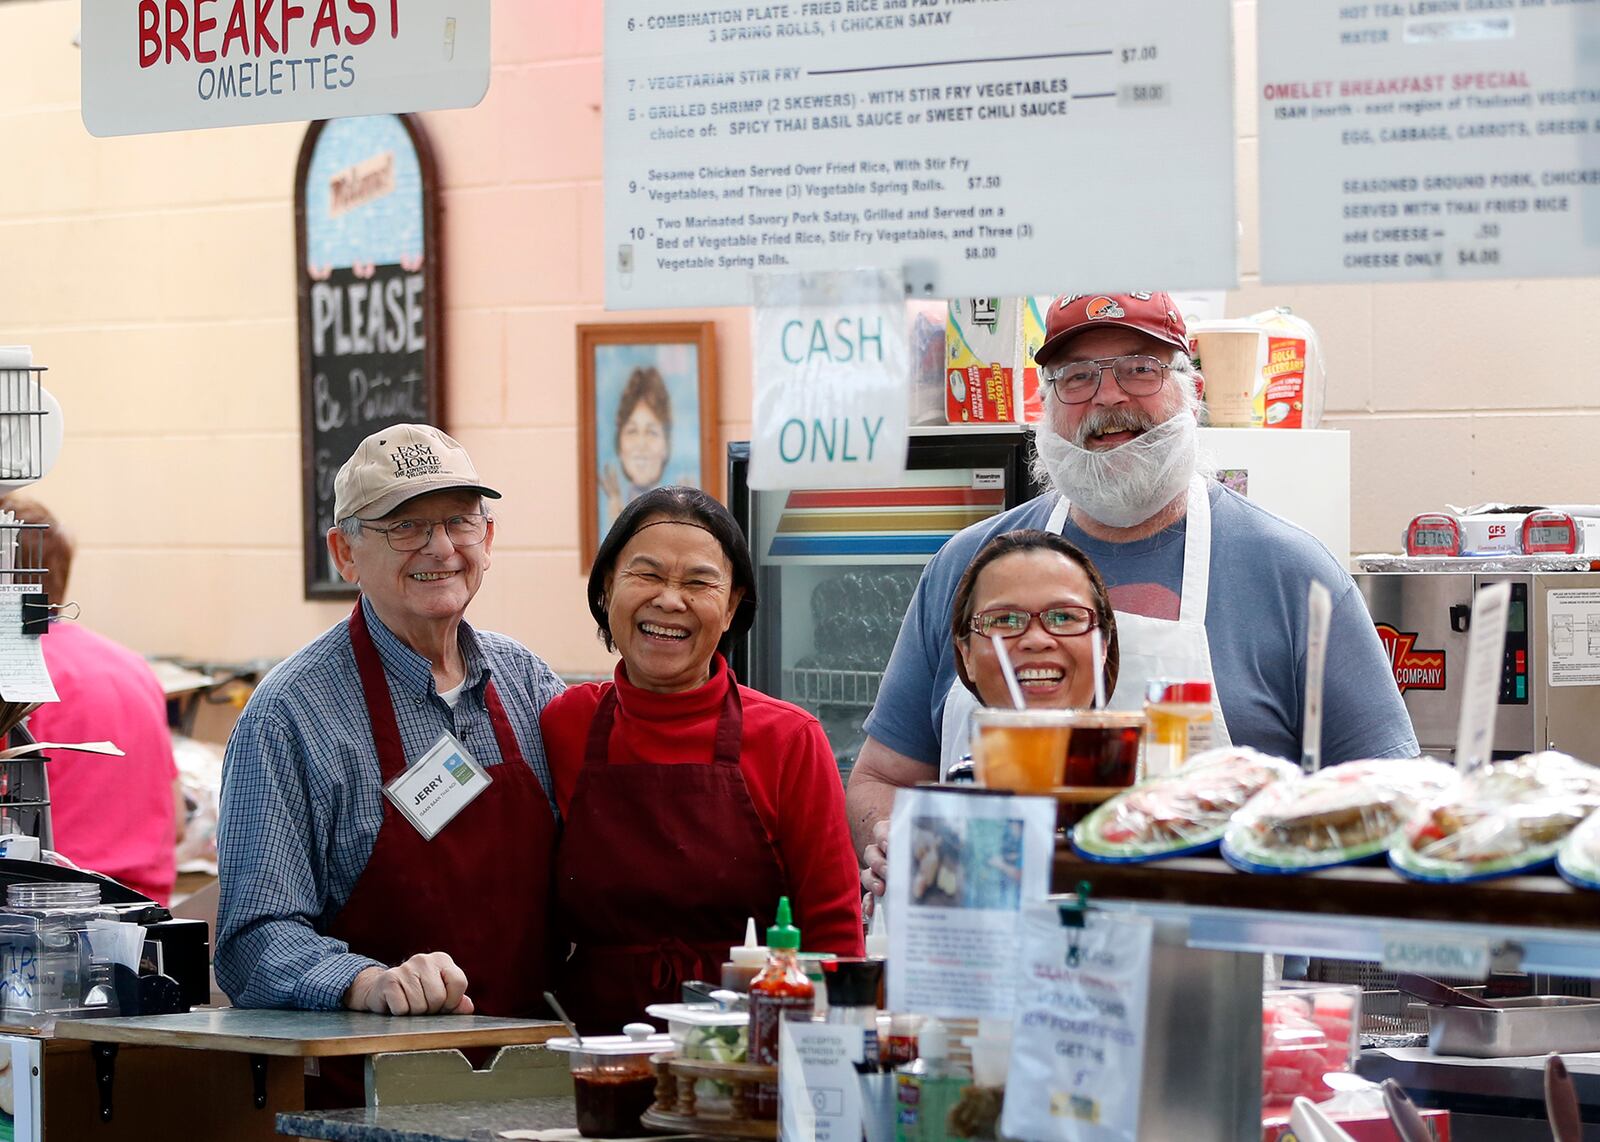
(368, 272)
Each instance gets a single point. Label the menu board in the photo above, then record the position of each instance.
(1429, 139)
(993, 147)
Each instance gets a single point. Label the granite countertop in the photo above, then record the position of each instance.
(438, 1122)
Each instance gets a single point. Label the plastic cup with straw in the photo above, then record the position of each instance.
(1010, 674)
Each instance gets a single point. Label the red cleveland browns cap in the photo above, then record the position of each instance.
(1153, 313)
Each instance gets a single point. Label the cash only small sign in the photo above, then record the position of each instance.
(174, 65)
(831, 374)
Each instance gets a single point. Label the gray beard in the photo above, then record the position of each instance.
(1127, 485)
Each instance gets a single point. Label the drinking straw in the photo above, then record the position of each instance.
(1011, 675)
(1098, 648)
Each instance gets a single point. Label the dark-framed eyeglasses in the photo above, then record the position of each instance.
(1009, 622)
(1075, 382)
(464, 530)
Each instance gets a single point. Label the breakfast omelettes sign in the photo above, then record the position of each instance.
(173, 65)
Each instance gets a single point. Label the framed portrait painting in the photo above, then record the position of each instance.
(647, 413)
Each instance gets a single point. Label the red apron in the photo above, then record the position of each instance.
(480, 890)
(658, 868)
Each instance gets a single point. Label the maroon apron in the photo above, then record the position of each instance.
(658, 868)
(480, 890)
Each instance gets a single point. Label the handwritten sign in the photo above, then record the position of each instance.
(1077, 1051)
(175, 65)
(369, 301)
(832, 363)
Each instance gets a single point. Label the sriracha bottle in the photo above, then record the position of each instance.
(781, 991)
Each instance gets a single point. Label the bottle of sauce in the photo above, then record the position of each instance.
(781, 991)
(744, 961)
(1178, 724)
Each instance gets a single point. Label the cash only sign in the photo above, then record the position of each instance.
(174, 65)
(831, 369)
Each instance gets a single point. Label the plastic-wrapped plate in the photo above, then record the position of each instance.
(1180, 813)
(1344, 814)
(1504, 818)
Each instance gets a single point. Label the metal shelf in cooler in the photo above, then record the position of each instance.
(811, 686)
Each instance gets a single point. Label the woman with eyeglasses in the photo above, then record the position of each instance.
(689, 802)
(1042, 596)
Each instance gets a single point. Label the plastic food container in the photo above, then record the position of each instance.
(1341, 815)
(613, 1081)
(1514, 1028)
(710, 1034)
(48, 964)
(1505, 817)
(1184, 812)
(1307, 1030)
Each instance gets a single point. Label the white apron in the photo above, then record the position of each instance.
(1149, 648)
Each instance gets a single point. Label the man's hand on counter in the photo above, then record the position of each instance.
(429, 983)
(875, 876)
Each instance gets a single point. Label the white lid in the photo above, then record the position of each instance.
(641, 1039)
(697, 1015)
(750, 954)
(933, 1041)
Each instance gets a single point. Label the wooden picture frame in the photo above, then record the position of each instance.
(657, 368)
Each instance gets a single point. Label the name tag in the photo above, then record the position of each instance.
(438, 786)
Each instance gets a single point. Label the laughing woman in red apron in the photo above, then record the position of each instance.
(690, 802)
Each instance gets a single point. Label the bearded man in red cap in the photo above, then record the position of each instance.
(1117, 447)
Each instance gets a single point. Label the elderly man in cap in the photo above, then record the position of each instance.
(387, 824)
(1206, 585)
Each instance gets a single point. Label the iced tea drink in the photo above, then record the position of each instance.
(1104, 748)
(1023, 751)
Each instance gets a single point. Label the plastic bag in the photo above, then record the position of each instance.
(1503, 818)
(1182, 812)
(1262, 371)
(1579, 859)
(1340, 815)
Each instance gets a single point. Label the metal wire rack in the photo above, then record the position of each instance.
(22, 427)
(814, 687)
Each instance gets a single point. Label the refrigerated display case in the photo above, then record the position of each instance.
(835, 568)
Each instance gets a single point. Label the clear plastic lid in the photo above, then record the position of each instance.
(52, 894)
(640, 1039)
(696, 1015)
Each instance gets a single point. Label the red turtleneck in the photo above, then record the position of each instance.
(786, 763)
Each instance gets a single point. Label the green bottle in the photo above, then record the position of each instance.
(927, 1089)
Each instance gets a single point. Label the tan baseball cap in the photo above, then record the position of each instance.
(397, 463)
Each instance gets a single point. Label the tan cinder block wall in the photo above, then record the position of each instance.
(155, 276)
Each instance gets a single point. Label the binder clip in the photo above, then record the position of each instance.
(36, 613)
(1072, 911)
(1072, 917)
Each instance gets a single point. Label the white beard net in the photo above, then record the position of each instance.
(1125, 485)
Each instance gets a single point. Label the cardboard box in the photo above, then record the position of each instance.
(990, 375)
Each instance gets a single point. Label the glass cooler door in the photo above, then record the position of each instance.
(835, 571)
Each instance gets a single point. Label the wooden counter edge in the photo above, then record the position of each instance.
(101, 1031)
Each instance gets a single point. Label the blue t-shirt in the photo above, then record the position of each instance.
(1261, 568)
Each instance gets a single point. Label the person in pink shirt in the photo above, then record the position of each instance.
(114, 815)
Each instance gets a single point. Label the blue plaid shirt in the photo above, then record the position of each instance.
(302, 799)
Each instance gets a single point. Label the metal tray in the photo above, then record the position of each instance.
(1513, 1028)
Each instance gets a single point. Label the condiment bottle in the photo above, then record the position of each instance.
(744, 961)
(781, 991)
(1178, 724)
(927, 1089)
(853, 1000)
